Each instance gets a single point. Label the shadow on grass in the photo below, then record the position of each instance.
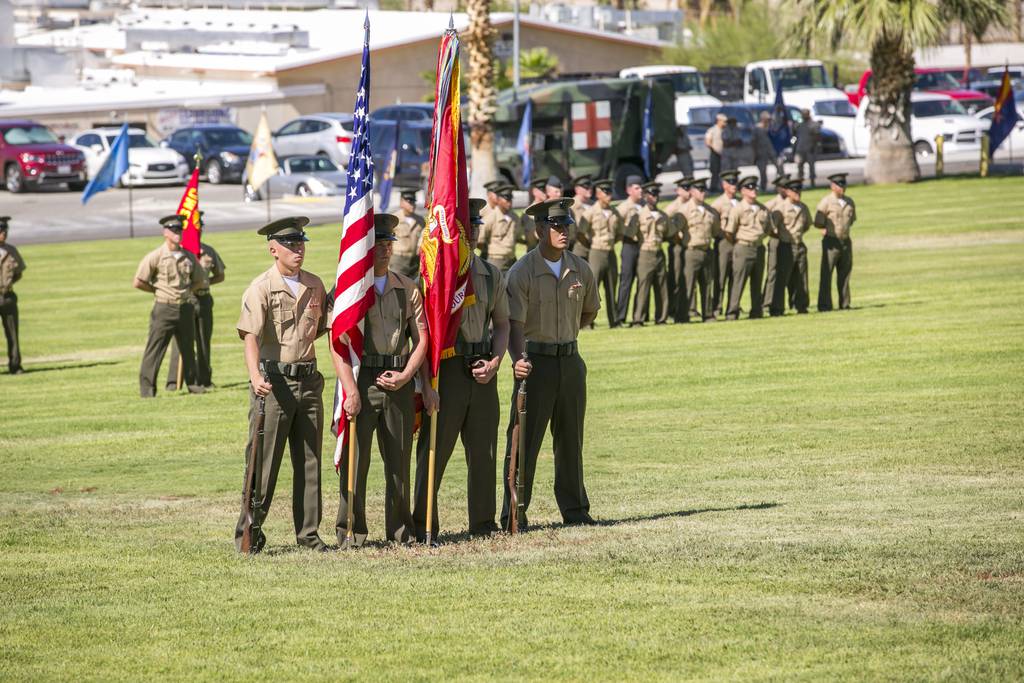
(74, 366)
(456, 538)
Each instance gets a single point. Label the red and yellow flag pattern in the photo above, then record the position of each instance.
(189, 208)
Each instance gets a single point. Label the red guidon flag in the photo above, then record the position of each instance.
(445, 255)
(189, 208)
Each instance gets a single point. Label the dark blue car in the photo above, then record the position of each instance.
(224, 149)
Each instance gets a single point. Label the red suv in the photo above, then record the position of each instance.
(32, 156)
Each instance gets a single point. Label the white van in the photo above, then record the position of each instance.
(686, 82)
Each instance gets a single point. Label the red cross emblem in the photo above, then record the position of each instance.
(591, 125)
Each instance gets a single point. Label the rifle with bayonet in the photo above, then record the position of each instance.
(252, 496)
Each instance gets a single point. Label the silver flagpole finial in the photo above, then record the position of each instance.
(366, 20)
(451, 21)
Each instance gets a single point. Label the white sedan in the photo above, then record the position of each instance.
(931, 115)
(1013, 145)
(147, 163)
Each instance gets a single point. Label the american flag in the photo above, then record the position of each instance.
(353, 291)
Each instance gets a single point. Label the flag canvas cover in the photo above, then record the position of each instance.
(262, 162)
(445, 255)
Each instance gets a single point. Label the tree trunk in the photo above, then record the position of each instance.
(482, 95)
(1018, 30)
(891, 150)
(968, 40)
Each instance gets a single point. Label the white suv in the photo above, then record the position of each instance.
(932, 115)
(147, 163)
(326, 135)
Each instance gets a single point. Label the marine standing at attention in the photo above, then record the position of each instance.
(499, 231)
(650, 266)
(11, 268)
(583, 198)
(677, 303)
(602, 227)
(747, 226)
(724, 204)
(409, 231)
(699, 225)
(629, 211)
(835, 215)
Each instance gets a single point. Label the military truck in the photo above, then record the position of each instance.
(591, 126)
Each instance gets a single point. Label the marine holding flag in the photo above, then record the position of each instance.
(445, 262)
(378, 316)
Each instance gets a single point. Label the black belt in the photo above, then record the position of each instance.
(540, 348)
(203, 292)
(382, 362)
(289, 370)
(463, 348)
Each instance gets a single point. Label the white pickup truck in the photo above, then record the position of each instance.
(686, 82)
(931, 115)
(805, 84)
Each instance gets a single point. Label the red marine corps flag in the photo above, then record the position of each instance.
(189, 208)
(445, 254)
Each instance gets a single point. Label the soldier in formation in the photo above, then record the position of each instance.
(601, 227)
(284, 311)
(468, 387)
(650, 265)
(173, 276)
(699, 225)
(542, 345)
(676, 251)
(835, 215)
(583, 198)
(724, 204)
(779, 252)
(629, 211)
(409, 233)
(211, 268)
(11, 268)
(381, 400)
(746, 229)
(500, 230)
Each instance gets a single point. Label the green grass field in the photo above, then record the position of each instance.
(812, 498)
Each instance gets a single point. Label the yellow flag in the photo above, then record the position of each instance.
(262, 163)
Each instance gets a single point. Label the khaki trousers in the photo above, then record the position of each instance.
(294, 414)
(697, 276)
(837, 255)
(167, 321)
(780, 267)
(204, 334)
(651, 275)
(556, 394)
(391, 415)
(468, 410)
(746, 265)
(606, 275)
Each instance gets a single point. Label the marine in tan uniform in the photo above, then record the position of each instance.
(713, 140)
(583, 199)
(629, 211)
(492, 198)
(11, 268)
(779, 252)
(699, 225)
(796, 220)
(602, 228)
(381, 398)
(468, 388)
(500, 230)
(746, 228)
(835, 215)
(538, 191)
(723, 247)
(211, 266)
(284, 310)
(172, 275)
(552, 294)
(677, 306)
(409, 231)
(650, 265)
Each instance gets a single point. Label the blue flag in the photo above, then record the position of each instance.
(115, 166)
(779, 131)
(523, 142)
(1004, 116)
(648, 133)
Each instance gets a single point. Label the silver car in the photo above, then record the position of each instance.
(305, 176)
(327, 135)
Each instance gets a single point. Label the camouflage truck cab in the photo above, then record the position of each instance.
(592, 126)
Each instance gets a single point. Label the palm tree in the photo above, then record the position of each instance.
(482, 94)
(975, 19)
(892, 29)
